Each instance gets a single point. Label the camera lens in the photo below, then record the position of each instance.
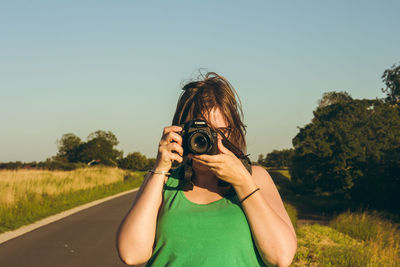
(199, 143)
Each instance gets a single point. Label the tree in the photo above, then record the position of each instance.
(333, 97)
(150, 163)
(391, 78)
(100, 146)
(278, 158)
(260, 159)
(68, 147)
(350, 148)
(134, 161)
(108, 136)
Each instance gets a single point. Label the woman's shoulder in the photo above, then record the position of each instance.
(258, 171)
(262, 178)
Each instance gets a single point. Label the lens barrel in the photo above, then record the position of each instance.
(199, 142)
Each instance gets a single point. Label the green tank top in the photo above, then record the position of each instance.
(190, 234)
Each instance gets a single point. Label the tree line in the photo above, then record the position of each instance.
(99, 148)
(351, 147)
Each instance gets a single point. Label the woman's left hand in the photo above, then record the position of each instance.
(226, 166)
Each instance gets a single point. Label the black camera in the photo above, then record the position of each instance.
(198, 138)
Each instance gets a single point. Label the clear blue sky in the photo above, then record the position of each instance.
(80, 66)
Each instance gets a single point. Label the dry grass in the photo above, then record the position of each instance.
(30, 195)
(352, 240)
(16, 186)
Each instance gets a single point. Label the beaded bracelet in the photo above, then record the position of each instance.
(160, 172)
(249, 195)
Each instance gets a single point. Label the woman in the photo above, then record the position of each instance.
(229, 216)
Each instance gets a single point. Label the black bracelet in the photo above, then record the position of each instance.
(249, 195)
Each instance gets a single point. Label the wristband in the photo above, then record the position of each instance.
(249, 195)
(160, 172)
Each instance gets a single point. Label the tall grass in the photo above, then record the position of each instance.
(29, 195)
(22, 185)
(367, 226)
(353, 239)
(382, 235)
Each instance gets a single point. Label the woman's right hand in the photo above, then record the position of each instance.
(169, 148)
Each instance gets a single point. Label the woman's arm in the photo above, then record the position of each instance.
(137, 231)
(270, 224)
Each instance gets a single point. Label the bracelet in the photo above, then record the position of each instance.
(160, 172)
(249, 195)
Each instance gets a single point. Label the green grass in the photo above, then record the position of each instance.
(39, 207)
(324, 246)
(370, 227)
(352, 238)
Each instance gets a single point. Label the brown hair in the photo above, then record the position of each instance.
(209, 92)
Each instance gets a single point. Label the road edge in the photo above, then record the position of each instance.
(30, 227)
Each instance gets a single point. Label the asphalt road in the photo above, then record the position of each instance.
(86, 238)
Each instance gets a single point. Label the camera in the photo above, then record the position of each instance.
(198, 138)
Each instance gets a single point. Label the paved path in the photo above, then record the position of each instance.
(86, 239)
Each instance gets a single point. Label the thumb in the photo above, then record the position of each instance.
(222, 148)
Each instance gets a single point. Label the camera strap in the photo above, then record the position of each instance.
(187, 174)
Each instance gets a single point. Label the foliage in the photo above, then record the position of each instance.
(53, 163)
(391, 78)
(99, 146)
(68, 147)
(350, 148)
(134, 161)
(333, 97)
(276, 158)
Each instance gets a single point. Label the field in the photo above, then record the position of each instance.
(358, 238)
(29, 195)
(363, 238)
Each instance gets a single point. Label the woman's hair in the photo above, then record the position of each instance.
(212, 91)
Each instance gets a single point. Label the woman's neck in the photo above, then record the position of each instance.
(207, 180)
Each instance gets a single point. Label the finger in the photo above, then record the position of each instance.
(208, 158)
(176, 157)
(175, 147)
(206, 163)
(223, 149)
(171, 137)
(173, 128)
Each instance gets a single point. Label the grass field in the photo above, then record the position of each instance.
(363, 238)
(341, 244)
(350, 239)
(29, 195)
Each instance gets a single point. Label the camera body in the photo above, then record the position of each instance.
(198, 138)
